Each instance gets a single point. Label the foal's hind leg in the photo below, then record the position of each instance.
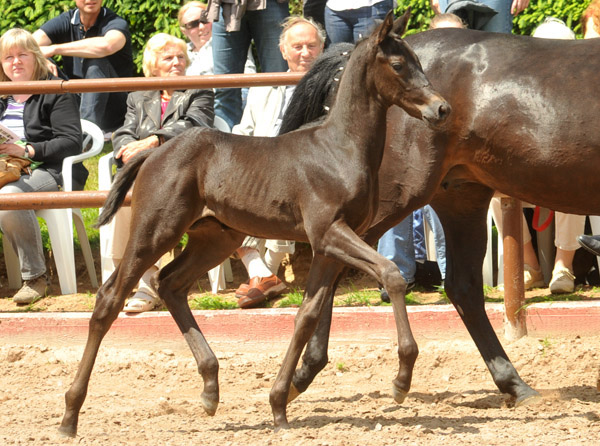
(206, 248)
(109, 302)
(463, 219)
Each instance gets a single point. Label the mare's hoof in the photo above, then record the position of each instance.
(210, 406)
(529, 400)
(66, 431)
(399, 394)
(292, 394)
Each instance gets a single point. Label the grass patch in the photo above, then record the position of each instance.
(355, 297)
(292, 299)
(212, 302)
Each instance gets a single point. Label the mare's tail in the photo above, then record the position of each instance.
(316, 92)
(121, 185)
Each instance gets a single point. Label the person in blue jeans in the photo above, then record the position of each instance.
(349, 20)
(235, 25)
(398, 245)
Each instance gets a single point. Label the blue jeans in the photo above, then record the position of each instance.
(352, 24)
(397, 245)
(500, 23)
(231, 48)
(21, 228)
(106, 110)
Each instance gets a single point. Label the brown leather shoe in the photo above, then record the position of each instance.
(261, 289)
(243, 289)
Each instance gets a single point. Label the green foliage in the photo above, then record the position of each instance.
(291, 299)
(212, 302)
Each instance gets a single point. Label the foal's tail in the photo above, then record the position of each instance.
(121, 185)
(316, 91)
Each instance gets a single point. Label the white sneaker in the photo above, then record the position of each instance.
(563, 281)
(533, 278)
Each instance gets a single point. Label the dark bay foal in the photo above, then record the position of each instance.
(214, 187)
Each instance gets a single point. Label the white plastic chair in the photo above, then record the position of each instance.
(60, 224)
(218, 276)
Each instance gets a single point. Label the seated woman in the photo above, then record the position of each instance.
(49, 128)
(152, 118)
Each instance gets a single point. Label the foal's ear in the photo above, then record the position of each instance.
(401, 23)
(398, 27)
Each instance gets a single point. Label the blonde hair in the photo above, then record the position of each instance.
(188, 5)
(157, 44)
(446, 17)
(20, 38)
(294, 20)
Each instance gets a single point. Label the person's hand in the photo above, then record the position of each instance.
(52, 67)
(518, 6)
(435, 5)
(128, 151)
(12, 149)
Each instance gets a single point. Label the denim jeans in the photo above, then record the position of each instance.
(397, 245)
(106, 110)
(500, 23)
(21, 228)
(231, 48)
(352, 24)
(432, 219)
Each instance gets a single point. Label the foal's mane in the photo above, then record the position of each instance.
(316, 91)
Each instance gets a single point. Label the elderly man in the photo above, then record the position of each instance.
(301, 42)
(94, 43)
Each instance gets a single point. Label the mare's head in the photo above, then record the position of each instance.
(397, 75)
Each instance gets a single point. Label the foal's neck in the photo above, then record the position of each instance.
(360, 110)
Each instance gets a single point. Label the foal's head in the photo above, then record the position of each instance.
(397, 75)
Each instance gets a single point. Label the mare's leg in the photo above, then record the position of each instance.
(342, 244)
(462, 211)
(207, 247)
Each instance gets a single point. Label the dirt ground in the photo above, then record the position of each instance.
(149, 395)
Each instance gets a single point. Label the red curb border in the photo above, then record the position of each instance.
(568, 318)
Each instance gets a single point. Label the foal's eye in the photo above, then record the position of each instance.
(397, 66)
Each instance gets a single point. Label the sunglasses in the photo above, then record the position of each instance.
(195, 24)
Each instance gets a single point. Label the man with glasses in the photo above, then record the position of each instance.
(94, 43)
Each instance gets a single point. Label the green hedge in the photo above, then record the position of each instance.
(147, 17)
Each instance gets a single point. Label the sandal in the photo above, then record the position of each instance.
(143, 300)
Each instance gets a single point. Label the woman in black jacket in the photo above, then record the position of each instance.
(49, 129)
(152, 118)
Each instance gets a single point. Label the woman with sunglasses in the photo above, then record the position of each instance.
(199, 33)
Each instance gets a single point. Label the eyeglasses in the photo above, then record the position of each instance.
(195, 23)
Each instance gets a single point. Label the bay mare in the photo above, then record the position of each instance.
(215, 187)
(524, 122)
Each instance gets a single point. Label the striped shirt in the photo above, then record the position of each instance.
(13, 117)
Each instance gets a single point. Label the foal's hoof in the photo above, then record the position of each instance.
(284, 426)
(529, 400)
(399, 394)
(210, 406)
(67, 431)
(292, 394)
